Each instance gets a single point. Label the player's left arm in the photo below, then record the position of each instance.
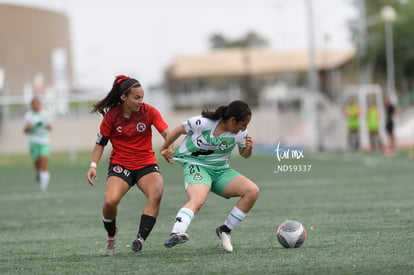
(27, 128)
(164, 134)
(248, 149)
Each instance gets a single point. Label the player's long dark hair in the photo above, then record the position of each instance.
(122, 86)
(237, 109)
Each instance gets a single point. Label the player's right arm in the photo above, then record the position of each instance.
(27, 123)
(27, 128)
(102, 140)
(96, 156)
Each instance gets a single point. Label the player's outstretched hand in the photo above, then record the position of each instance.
(168, 154)
(91, 175)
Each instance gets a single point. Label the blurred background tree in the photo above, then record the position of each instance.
(249, 40)
(403, 40)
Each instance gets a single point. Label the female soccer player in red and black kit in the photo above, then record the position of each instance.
(126, 123)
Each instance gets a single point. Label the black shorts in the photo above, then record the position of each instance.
(131, 176)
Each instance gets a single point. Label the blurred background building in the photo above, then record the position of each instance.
(219, 75)
(297, 93)
(35, 57)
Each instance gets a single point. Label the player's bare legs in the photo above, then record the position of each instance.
(152, 186)
(42, 171)
(116, 188)
(245, 189)
(248, 192)
(197, 195)
(37, 168)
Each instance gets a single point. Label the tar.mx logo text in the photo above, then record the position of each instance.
(284, 154)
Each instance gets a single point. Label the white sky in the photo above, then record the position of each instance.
(141, 37)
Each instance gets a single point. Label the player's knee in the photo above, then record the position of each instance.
(253, 192)
(196, 205)
(155, 192)
(155, 197)
(110, 203)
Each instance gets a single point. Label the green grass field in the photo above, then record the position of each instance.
(358, 211)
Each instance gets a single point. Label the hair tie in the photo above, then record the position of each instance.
(120, 78)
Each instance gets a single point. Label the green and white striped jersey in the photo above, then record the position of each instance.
(201, 147)
(39, 133)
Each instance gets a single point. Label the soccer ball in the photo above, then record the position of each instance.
(291, 234)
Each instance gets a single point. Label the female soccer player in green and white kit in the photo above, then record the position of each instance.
(37, 127)
(204, 155)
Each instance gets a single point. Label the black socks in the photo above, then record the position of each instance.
(110, 227)
(145, 226)
(224, 228)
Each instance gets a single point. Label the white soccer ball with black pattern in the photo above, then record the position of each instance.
(291, 234)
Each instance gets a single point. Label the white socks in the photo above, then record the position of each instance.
(106, 220)
(182, 220)
(234, 218)
(185, 215)
(44, 177)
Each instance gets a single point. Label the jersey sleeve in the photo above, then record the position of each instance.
(158, 121)
(241, 139)
(106, 124)
(193, 125)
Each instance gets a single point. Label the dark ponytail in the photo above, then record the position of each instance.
(237, 109)
(122, 85)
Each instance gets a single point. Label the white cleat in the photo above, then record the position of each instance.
(110, 246)
(225, 239)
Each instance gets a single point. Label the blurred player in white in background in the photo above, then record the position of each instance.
(204, 155)
(37, 128)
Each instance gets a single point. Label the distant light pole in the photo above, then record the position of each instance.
(389, 15)
(313, 81)
(327, 67)
(362, 44)
(310, 108)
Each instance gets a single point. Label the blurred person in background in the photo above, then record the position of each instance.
(373, 122)
(390, 112)
(204, 154)
(127, 123)
(37, 126)
(352, 113)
